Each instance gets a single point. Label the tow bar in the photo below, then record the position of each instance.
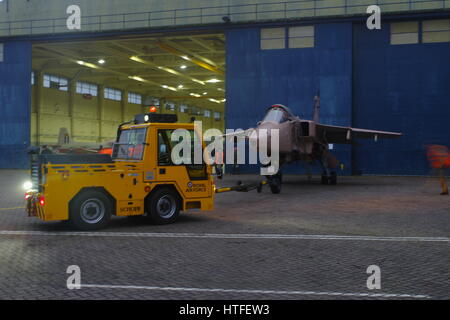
(243, 187)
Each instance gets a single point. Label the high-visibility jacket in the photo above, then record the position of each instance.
(438, 156)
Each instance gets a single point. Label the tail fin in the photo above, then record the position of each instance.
(316, 110)
(64, 137)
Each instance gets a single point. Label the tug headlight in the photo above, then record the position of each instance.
(28, 185)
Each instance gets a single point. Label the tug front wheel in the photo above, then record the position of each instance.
(164, 206)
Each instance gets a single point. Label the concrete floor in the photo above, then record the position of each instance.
(309, 242)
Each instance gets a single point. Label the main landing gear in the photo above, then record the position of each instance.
(330, 179)
(275, 182)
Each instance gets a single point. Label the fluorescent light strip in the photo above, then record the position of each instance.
(169, 88)
(87, 64)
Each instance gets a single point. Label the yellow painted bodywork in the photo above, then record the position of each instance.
(128, 182)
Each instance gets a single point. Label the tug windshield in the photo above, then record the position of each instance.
(277, 115)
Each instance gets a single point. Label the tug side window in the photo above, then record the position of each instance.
(165, 147)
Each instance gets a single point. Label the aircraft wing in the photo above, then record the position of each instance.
(336, 134)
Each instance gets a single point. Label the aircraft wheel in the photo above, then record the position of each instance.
(333, 178)
(275, 183)
(276, 189)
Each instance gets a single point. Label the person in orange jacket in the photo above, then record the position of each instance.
(439, 158)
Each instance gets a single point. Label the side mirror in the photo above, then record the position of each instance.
(258, 123)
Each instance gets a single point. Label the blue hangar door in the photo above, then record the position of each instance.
(15, 103)
(403, 88)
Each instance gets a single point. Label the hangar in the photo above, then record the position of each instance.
(224, 64)
(90, 87)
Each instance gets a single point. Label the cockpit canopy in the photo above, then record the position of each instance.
(277, 114)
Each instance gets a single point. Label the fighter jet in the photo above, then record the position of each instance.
(309, 140)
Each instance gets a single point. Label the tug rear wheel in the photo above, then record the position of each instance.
(90, 210)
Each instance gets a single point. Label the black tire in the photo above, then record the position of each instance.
(325, 180)
(333, 179)
(276, 189)
(275, 183)
(90, 210)
(164, 206)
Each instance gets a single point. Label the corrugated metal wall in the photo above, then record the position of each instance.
(15, 100)
(404, 88)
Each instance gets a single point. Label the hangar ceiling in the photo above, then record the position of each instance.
(184, 68)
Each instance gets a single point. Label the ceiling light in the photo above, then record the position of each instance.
(195, 95)
(186, 58)
(183, 66)
(214, 100)
(137, 78)
(180, 86)
(87, 64)
(205, 93)
(198, 81)
(169, 70)
(102, 61)
(136, 58)
(169, 88)
(213, 81)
